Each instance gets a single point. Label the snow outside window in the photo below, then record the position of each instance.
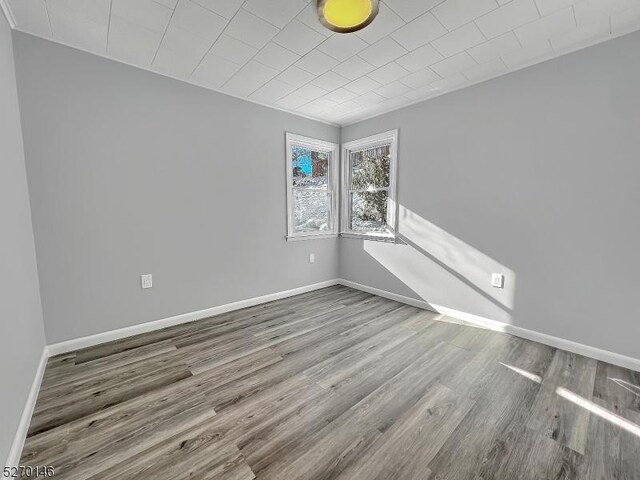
(312, 182)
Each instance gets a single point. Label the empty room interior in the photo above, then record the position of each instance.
(320, 239)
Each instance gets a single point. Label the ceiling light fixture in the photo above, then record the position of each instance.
(346, 16)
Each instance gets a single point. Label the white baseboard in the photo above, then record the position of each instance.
(23, 427)
(463, 317)
(477, 321)
(561, 343)
(92, 340)
(385, 294)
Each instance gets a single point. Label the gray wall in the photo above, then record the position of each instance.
(21, 331)
(536, 175)
(131, 173)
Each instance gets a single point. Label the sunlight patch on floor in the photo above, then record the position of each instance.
(599, 411)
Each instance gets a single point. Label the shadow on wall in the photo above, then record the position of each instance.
(444, 271)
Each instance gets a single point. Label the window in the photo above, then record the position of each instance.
(312, 182)
(368, 189)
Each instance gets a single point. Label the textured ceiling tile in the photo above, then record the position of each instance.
(309, 16)
(588, 11)
(342, 47)
(249, 78)
(410, 9)
(276, 12)
(528, 54)
(354, 68)
(292, 101)
(394, 89)
(452, 65)
(420, 31)
(448, 83)
(495, 48)
(129, 42)
(386, 23)
(508, 17)
(330, 81)
(485, 70)
(146, 13)
(626, 20)
(595, 31)
(421, 78)
(226, 8)
(546, 27)
(296, 76)
(341, 95)
(198, 20)
(316, 62)
(420, 58)
(31, 16)
(389, 73)
(362, 85)
(459, 40)
(272, 91)
(276, 56)
(250, 29)
(234, 50)
(169, 3)
(547, 7)
(263, 50)
(383, 52)
(96, 11)
(180, 52)
(421, 93)
(298, 38)
(369, 98)
(214, 71)
(79, 31)
(310, 92)
(455, 13)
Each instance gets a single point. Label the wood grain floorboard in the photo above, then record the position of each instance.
(334, 384)
(554, 416)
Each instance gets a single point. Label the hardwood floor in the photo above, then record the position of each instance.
(334, 384)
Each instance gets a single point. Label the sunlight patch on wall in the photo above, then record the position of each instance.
(460, 257)
(444, 270)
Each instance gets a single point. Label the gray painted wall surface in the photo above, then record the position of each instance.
(132, 173)
(536, 175)
(21, 331)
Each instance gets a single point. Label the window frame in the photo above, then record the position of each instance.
(333, 183)
(386, 138)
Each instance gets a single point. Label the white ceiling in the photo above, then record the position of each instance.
(275, 52)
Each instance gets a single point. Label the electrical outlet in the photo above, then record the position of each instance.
(312, 258)
(497, 280)
(146, 281)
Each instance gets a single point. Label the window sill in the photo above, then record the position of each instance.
(364, 236)
(300, 238)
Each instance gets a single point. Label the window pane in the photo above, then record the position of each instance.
(369, 211)
(370, 168)
(310, 168)
(311, 211)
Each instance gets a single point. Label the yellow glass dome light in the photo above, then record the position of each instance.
(346, 16)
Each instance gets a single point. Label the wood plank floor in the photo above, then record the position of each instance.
(334, 384)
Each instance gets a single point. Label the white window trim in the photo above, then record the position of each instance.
(333, 179)
(392, 213)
